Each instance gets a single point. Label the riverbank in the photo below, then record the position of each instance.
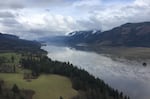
(129, 53)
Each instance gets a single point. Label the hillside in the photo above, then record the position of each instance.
(129, 34)
(13, 43)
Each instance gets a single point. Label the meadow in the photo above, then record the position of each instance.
(45, 86)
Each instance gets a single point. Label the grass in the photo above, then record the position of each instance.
(45, 87)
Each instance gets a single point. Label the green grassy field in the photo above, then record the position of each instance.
(46, 86)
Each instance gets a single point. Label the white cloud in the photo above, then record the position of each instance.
(115, 15)
(50, 17)
(142, 2)
(48, 22)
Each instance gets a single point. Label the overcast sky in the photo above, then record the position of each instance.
(36, 18)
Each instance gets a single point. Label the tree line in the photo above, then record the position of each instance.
(14, 92)
(86, 84)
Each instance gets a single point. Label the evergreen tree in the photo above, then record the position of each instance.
(12, 59)
(61, 97)
(15, 89)
(14, 68)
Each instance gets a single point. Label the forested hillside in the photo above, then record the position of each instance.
(13, 43)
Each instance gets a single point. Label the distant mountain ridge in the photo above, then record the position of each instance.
(8, 36)
(129, 34)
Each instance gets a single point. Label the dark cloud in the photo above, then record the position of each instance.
(9, 22)
(12, 4)
(43, 3)
(8, 19)
(20, 4)
(6, 14)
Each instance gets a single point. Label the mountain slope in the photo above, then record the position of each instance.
(83, 36)
(130, 34)
(13, 43)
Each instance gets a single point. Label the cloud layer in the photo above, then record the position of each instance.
(35, 18)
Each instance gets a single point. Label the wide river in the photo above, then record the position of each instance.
(130, 77)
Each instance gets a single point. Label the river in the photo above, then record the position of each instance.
(130, 77)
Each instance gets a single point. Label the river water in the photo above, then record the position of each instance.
(130, 77)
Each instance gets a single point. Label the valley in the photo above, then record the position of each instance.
(28, 73)
(75, 49)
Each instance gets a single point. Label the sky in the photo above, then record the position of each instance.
(37, 18)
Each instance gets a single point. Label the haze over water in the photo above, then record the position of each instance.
(128, 76)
